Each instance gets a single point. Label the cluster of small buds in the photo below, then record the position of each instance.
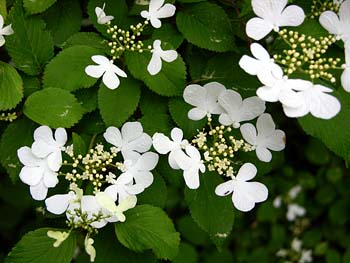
(305, 55)
(219, 150)
(10, 116)
(81, 220)
(93, 166)
(125, 40)
(320, 6)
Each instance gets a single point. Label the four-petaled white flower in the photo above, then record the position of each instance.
(106, 68)
(163, 145)
(339, 26)
(345, 76)
(262, 65)
(157, 10)
(36, 173)
(47, 146)
(205, 99)
(131, 141)
(158, 54)
(294, 211)
(244, 194)
(4, 31)
(264, 137)
(272, 14)
(238, 110)
(101, 15)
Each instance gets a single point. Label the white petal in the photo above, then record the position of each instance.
(195, 95)
(61, 136)
(181, 160)
(143, 179)
(154, 5)
(263, 154)
(292, 16)
(276, 141)
(105, 19)
(141, 144)
(1, 21)
(118, 71)
(95, 71)
(344, 12)
(270, 94)
(155, 22)
(26, 157)
(155, 64)
(224, 189)
(42, 149)
(39, 191)
(246, 172)
(345, 79)
(248, 132)
(131, 131)
(264, 8)
(2, 40)
(145, 14)
(259, 52)
(249, 65)
(147, 161)
(101, 60)
(258, 28)
(323, 105)
(162, 143)
(54, 160)
(177, 135)
(231, 101)
(113, 136)
(251, 108)
(58, 204)
(168, 55)
(225, 119)
(7, 30)
(191, 177)
(111, 80)
(296, 112)
(50, 179)
(193, 152)
(290, 98)
(174, 157)
(31, 175)
(330, 21)
(265, 125)
(246, 194)
(168, 10)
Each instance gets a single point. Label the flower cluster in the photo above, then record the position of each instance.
(129, 40)
(296, 253)
(9, 116)
(116, 174)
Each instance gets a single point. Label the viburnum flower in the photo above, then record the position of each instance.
(316, 101)
(45, 145)
(264, 137)
(101, 15)
(294, 211)
(157, 10)
(205, 99)
(238, 110)
(345, 77)
(158, 54)
(262, 65)
(339, 26)
(244, 194)
(4, 31)
(36, 173)
(131, 140)
(163, 145)
(107, 69)
(272, 14)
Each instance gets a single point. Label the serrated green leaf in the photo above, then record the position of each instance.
(148, 227)
(168, 34)
(214, 214)
(61, 108)
(90, 39)
(116, 106)
(206, 25)
(30, 85)
(37, 247)
(87, 98)
(38, 6)
(178, 110)
(16, 135)
(31, 46)
(187, 254)
(11, 87)
(170, 81)
(156, 194)
(192, 232)
(67, 69)
(63, 19)
(149, 99)
(79, 145)
(159, 122)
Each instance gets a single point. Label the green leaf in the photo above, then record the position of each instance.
(30, 84)
(148, 227)
(178, 110)
(38, 6)
(90, 39)
(206, 25)
(16, 135)
(159, 122)
(67, 69)
(168, 34)
(116, 106)
(331, 132)
(11, 87)
(87, 98)
(79, 145)
(156, 194)
(187, 254)
(31, 46)
(63, 19)
(61, 108)
(170, 81)
(214, 214)
(37, 247)
(192, 232)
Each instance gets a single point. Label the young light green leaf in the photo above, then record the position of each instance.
(148, 227)
(116, 106)
(67, 69)
(206, 25)
(37, 247)
(61, 108)
(34, 7)
(11, 87)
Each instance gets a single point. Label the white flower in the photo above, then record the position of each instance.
(294, 211)
(272, 14)
(294, 191)
(4, 31)
(157, 10)
(306, 256)
(163, 145)
(264, 137)
(131, 141)
(205, 99)
(345, 76)
(58, 204)
(101, 15)
(106, 68)
(262, 65)
(244, 194)
(316, 101)
(296, 244)
(277, 202)
(238, 110)
(339, 26)
(158, 54)
(47, 146)
(36, 173)
(191, 164)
